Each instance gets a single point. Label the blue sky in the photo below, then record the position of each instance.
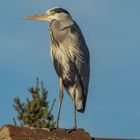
(112, 32)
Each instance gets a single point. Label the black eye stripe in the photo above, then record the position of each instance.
(59, 10)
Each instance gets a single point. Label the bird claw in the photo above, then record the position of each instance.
(49, 129)
(71, 130)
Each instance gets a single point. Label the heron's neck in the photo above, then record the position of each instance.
(61, 25)
(66, 23)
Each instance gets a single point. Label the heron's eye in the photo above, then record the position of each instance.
(52, 13)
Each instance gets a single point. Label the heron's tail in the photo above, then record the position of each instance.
(80, 100)
(80, 105)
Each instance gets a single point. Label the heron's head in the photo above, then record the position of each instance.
(58, 14)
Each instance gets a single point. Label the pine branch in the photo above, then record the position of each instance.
(52, 106)
(35, 112)
(14, 120)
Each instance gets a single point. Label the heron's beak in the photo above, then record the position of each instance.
(42, 17)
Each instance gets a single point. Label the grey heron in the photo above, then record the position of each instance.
(70, 56)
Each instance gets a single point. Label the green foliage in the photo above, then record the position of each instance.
(35, 112)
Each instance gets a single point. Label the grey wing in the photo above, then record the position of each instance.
(81, 59)
(78, 65)
(83, 68)
(84, 73)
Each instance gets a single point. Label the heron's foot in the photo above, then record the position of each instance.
(49, 129)
(54, 128)
(71, 130)
(33, 127)
(57, 126)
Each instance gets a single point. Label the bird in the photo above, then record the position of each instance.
(70, 55)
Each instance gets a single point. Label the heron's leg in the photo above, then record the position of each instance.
(74, 95)
(75, 122)
(60, 101)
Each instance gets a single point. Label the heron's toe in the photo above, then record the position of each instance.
(71, 130)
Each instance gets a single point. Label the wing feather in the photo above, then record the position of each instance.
(79, 55)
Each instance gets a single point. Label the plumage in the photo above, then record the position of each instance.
(71, 60)
(70, 56)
